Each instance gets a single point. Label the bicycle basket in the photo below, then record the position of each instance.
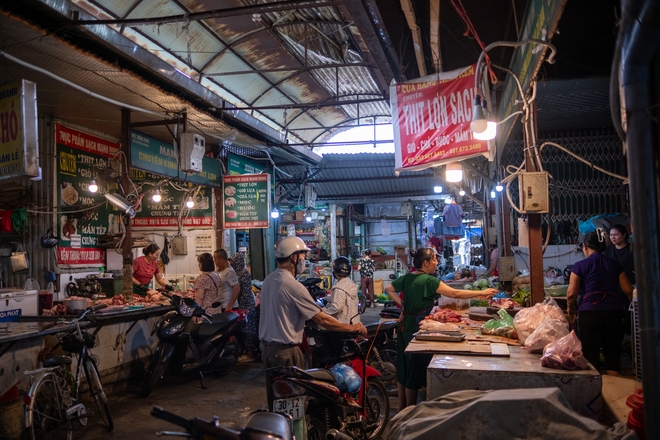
(71, 343)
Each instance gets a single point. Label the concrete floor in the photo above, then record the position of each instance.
(231, 398)
(242, 391)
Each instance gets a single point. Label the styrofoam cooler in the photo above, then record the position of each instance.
(17, 302)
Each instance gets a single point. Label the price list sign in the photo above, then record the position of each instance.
(246, 201)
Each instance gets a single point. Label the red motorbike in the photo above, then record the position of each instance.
(330, 407)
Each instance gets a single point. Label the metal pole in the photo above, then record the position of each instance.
(127, 247)
(333, 231)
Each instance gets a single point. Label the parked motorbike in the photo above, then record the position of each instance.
(380, 350)
(328, 408)
(213, 345)
(318, 294)
(259, 425)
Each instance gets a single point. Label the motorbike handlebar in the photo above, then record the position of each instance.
(196, 427)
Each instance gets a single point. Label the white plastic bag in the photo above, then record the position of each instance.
(565, 353)
(549, 331)
(527, 320)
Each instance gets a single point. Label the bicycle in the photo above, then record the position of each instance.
(53, 402)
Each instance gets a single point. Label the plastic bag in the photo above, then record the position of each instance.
(549, 331)
(346, 378)
(502, 326)
(527, 320)
(565, 354)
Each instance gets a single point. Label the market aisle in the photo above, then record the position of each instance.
(231, 398)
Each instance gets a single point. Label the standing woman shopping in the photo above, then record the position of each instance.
(207, 285)
(366, 268)
(422, 288)
(145, 268)
(593, 295)
(246, 301)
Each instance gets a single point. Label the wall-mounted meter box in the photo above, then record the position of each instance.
(180, 245)
(193, 148)
(506, 268)
(533, 193)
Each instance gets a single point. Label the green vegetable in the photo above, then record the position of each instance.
(468, 286)
(483, 282)
(475, 285)
(381, 250)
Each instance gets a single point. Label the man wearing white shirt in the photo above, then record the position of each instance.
(229, 286)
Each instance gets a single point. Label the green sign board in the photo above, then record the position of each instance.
(246, 201)
(84, 215)
(165, 214)
(155, 156)
(241, 165)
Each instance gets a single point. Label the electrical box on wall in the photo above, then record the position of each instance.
(192, 148)
(506, 268)
(180, 245)
(310, 196)
(533, 193)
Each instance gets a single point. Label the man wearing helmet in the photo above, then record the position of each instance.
(285, 307)
(343, 303)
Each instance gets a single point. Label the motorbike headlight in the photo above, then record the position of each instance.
(186, 310)
(174, 329)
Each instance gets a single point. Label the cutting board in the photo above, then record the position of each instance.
(466, 348)
(493, 310)
(479, 314)
(492, 338)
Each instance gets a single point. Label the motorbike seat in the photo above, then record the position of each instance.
(371, 328)
(274, 424)
(321, 374)
(56, 361)
(220, 322)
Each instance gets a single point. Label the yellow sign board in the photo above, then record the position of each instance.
(19, 151)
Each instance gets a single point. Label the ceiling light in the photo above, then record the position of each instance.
(156, 197)
(454, 172)
(489, 133)
(190, 203)
(437, 189)
(93, 187)
(499, 187)
(479, 123)
(274, 213)
(492, 194)
(308, 218)
(461, 193)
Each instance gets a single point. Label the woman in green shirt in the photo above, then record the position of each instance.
(421, 289)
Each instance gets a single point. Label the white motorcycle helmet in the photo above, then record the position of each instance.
(289, 246)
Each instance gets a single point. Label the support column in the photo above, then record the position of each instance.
(127, 247)
(333, 231)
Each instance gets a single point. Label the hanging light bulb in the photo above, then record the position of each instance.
(308, 216)
(499, 187)
(93, 187)
(461, 193)
(454, 172)
(437, 189)
(478, 123)
(156, 197)
(489, 133)
(274, 213)
(190, 203)
(492, 194)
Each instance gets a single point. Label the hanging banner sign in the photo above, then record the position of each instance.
(246, 201)
(431, 119)
(165, 214)
(155, 156)
(19, 144)
(80, 156)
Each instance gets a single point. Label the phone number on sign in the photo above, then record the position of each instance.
(9, 169)
(464, 148)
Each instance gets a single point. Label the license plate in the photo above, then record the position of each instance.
(293, 406)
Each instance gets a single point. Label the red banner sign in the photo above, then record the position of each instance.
(431, 118)
(81, 257)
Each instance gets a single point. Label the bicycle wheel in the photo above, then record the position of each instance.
(97, 392)
(45, 415)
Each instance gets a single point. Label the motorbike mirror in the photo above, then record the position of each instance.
(351, 321)
(216, 304)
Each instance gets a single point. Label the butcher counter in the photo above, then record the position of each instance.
(494, 363)
(124, 339)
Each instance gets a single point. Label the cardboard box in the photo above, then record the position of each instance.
(287, 217)
(300, 216)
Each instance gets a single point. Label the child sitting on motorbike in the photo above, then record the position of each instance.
(343, 303)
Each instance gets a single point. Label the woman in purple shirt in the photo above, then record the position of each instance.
(596, 281)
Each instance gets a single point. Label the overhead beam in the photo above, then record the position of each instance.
(356, 179)
(332, 103)
(286, 5)
(409, 13)
(434, 37)
(298, 69)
